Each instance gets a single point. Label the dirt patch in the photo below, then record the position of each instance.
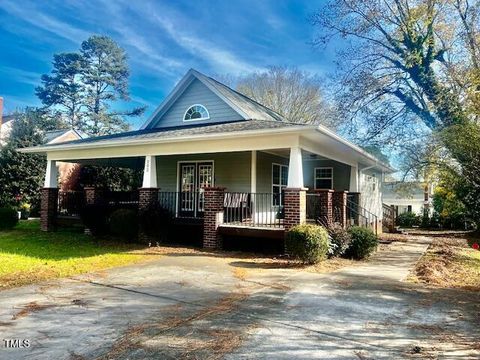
(449, 263)
(200, 334)
(31, 308)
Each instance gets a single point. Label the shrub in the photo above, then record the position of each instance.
(364, 242)
(155, 221)
(124, 223)
(408, 219)
(94, 217)
(309, 243)
(340, 240)
(8, 218)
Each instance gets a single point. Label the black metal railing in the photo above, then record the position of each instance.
(184, 204)
(253, 209)
(355, 215)
(121, 198)
(70, 203)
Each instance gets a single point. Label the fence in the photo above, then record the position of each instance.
(70, 203)
(253, 209)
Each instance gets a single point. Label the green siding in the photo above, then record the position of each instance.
(264, 170)
(232, 170)
(341, 173)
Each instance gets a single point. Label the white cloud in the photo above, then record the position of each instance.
(21, 76)
(45, 22)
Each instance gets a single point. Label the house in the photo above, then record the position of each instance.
(212, 155)
(50, 137)
(413, 197)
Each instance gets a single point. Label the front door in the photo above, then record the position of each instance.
(194, 177)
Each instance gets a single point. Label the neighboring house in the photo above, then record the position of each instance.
(51, 137)
(223, 158)
(414, 197)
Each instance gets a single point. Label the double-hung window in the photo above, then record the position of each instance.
(323, 178)
(279, 182)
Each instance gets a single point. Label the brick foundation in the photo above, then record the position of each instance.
(340, 206)
(146, 197)
(48, 210)
(213, 217)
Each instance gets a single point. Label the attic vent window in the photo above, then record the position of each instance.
(196, 112)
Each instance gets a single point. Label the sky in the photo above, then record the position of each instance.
(163, 39)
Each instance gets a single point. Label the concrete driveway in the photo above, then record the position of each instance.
(193, 305)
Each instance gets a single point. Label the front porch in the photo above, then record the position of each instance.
(257, 193)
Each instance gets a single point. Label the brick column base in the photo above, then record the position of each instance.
(93, 195)
(295, 206)
(146, 197)
(340, 206)
(48, 209)
(213, 217)
(295, 209)
(326, 206)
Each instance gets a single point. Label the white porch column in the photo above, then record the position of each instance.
(354, 184)
(150, 172)
(253, 173)
(51, 175)
(295, 169)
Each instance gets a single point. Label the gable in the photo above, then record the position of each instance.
(197, 93)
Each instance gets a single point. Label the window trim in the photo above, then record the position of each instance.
(202, 118)
(280, 185)
(322, 178)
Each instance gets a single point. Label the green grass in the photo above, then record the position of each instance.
(28, 255)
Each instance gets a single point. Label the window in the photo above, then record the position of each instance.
(279, 183)
(323, 178)
(196, 112)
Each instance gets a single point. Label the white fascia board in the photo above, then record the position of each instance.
(177, 139)
(354, 147)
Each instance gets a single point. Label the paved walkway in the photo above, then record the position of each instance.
(193, 306)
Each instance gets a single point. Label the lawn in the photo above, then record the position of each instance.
(28, 255)
(450, 262)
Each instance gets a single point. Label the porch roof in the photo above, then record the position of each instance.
(235, 136)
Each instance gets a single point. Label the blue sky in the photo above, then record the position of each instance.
(163, 40)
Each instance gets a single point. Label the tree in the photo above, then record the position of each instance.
(83, 86)
(398, 66)
(21, 175)
(63, 89)
(294, 94)
(410, 68)
(106, 79)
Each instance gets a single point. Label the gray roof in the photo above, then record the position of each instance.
(53, 134)
(185, 130)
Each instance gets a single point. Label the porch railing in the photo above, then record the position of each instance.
(355, 214)
(253, 209)
(121, 198)
(70, 203)
(184, 204)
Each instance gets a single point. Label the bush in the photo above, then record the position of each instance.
(408, 219)
(340, 240)
(124, 223)
(94, 217)
(8, 218)
(309, 243)
(364, 242)
(155, 221)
